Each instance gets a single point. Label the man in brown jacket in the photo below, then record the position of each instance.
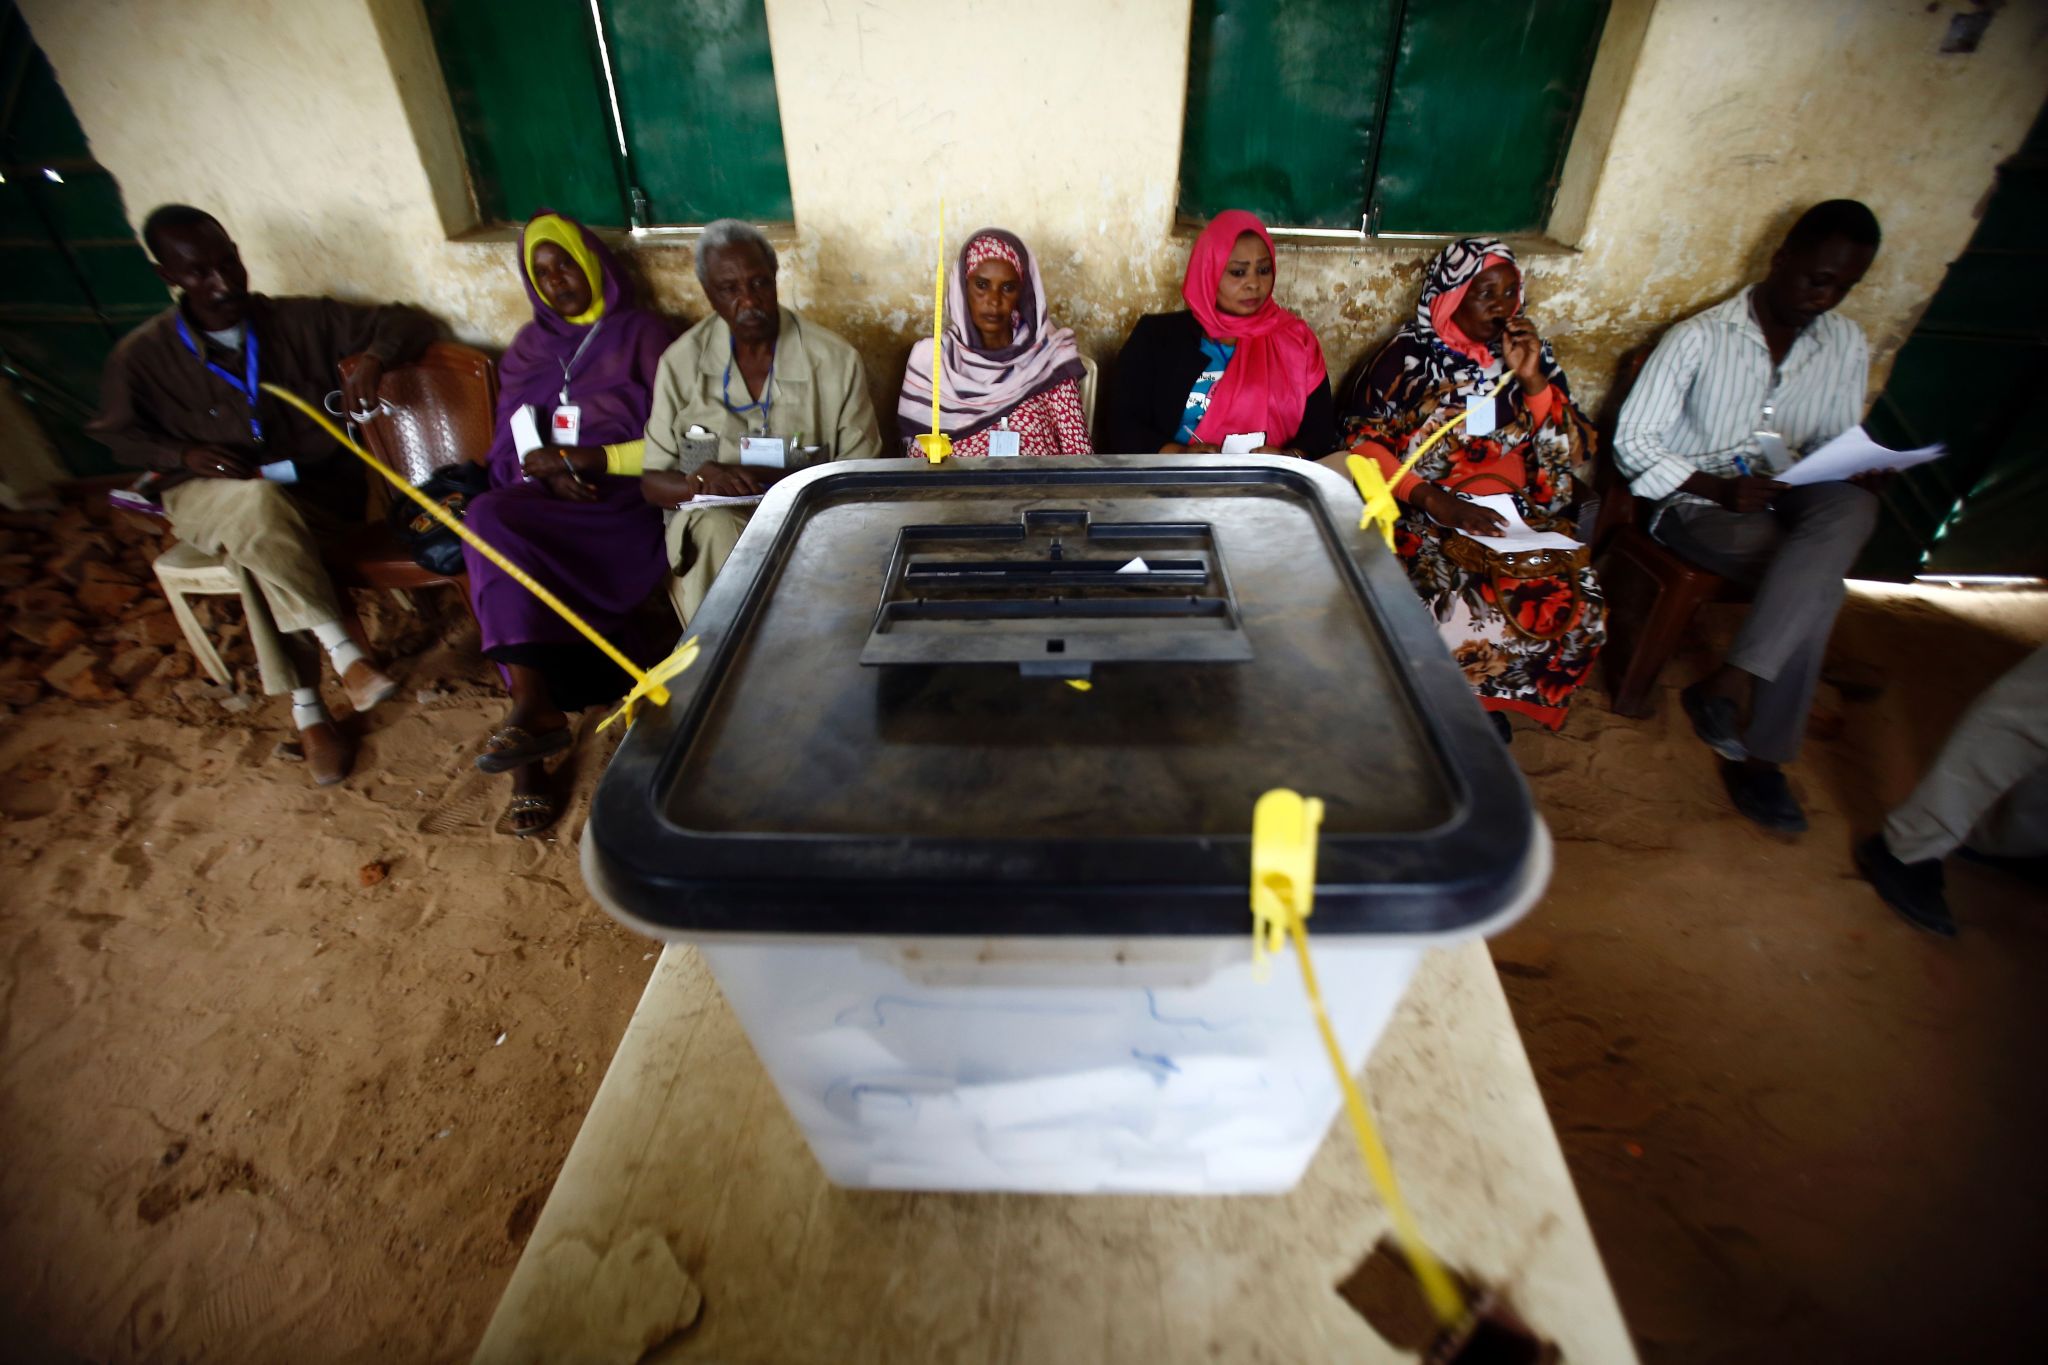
(245, 475)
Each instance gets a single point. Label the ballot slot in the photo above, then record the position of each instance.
(1055, 593)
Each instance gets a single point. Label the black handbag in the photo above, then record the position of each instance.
(434, 547)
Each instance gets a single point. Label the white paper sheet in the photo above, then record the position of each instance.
(713, 500)
(1136, 566)
(1520, 535)
(1853, 453)
(525, 431)
(1243, 444)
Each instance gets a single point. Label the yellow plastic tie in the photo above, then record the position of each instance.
(1378, 490)
(1285, 828)
(647, 684)
(935, 444)
(649, 687)
(1080, 684)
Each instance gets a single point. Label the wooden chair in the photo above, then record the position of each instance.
(1652, 594)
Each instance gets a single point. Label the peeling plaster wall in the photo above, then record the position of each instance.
(317, 133)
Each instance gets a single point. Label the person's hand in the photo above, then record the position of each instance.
(568, 488)
(1522, 349)
(1448, 509)
(211, 462)
(1189, 448)
(1874, 480)
(728, 480)
(546, 461)
(1748, 493)
(359, 388)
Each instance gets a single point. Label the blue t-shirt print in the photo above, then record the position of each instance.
(1215, 359)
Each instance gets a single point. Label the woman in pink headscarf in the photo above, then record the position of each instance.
(1234, 364)
(1010, 385)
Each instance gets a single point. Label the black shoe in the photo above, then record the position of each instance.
(1763, 795)
(1502, 726)
(1912, 889)
(1717, 722)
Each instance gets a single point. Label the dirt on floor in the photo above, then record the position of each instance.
(286, 1073)
(1803, 1130)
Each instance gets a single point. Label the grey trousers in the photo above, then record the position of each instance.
(273, 549)
(1794, 556)
(1989, 787)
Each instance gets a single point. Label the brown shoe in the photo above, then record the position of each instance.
(366, 685)
(329, 753)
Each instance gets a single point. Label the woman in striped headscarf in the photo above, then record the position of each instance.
(1010, 384)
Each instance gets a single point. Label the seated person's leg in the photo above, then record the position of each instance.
(285, 588)
(699, 543)
(1796, 555)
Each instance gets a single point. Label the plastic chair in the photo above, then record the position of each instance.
(186, 571)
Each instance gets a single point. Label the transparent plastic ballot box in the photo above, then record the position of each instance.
(956, 803)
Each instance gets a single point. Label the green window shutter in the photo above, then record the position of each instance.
(1283, 97)
(530, 100)
(1480, 113)
(697, 86)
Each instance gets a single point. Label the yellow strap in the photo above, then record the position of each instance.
(1285, 829)
(646, 684)
(1378, 490)
(935, 444)
(627, 457)
(649, 686)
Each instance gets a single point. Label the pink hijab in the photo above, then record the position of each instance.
(1278, 361)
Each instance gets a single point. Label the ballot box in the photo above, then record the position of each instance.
(957, 803)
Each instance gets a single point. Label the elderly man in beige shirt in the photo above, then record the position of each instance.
(755, 380)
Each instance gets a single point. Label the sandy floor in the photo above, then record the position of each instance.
(1803, 1130)
(256, 1109)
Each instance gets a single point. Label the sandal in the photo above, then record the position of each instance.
(544, 807)
(510, 747)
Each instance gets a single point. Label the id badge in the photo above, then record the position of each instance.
(1774, 457)
(280, 471)
(567, 424)
(762, 452)
(1478, 414)
(1004, 443)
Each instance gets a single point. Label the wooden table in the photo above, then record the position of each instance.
(691, 1213)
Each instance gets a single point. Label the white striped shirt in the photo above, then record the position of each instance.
(1702, 396)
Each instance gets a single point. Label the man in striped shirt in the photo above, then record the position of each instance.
(1731, 397)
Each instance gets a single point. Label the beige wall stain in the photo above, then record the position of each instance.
(310, 129)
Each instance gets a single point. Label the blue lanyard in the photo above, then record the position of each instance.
(761, 405)
(246, 386)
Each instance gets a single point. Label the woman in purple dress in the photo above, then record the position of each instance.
(585, 367)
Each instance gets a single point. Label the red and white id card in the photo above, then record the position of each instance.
(567, 424)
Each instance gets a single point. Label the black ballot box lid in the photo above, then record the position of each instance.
(1027, 697)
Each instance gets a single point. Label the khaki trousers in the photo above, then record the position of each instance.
(700, 540)
(1989, 786)
(266, 538)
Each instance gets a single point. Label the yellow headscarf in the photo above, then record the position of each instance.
(550, 227)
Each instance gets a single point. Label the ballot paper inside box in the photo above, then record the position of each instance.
(988, 925)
